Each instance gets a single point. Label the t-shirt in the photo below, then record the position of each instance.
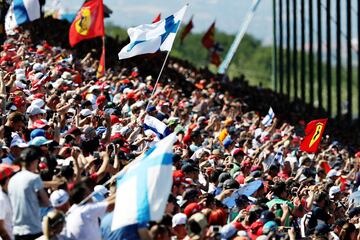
(129, 232)
(23, 189)
(6, 213)
(82, 222)
(279, 212)
(318, 215)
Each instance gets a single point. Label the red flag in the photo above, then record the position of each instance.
(186, 30)
(157, 18)
(101, 68)
(88, 23)
(208, 38)
(215, 59)
(313, 133)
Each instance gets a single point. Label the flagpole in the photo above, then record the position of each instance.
(157, 80)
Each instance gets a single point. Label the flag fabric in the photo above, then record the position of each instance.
(144, 186)
(267, 120)
(186, 30)
(88, 23)
(153, 125)
(215, 59)
(150, 38)
(313, 134)
(208, 38)
(20, 12)
(101, 68)
(157, 18)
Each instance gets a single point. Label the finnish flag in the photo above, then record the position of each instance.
(150, 38)
(20, 12)
(144, 186)
(268, 118)
(153, 125)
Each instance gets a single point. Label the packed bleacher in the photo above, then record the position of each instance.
(66, 134)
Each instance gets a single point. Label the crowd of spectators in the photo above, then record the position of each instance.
(65, 133)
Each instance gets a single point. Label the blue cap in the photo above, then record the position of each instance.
(39, 141)
(37, 133)
(150, 109)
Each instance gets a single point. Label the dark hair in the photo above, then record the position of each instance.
(321, 196)
(30, 155)
(346, 231)
(279, 188)
(78, 193)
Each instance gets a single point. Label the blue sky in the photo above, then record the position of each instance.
(229, 14)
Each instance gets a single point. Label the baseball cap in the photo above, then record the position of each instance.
(37, 133)
(6, 170)
(191, 209)
(38, 102)
(39, 141)
(18, 142)
(333, 173)
(334, 190)
(179, 219)
(33, 110)
(100, 193)
(85, 113)
(59, 198)
(40, 123)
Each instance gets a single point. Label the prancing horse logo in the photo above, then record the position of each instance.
(83, 23)
(319, 127)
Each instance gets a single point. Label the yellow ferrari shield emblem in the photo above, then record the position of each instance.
(83, 23)
(319, 127)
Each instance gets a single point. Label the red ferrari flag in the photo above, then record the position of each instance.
(186, 30)
(101, 68)
(157, 18)
(313, 133)
(208, 38)
(88, 23)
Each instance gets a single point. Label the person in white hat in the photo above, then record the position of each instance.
(179, 225)
(335, 193)
(59, 199)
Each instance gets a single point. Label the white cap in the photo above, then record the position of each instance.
(100, 193)
(38, 102)
(333, 190)
(20, 84)
(85, 112)
(59, 198)
(333, 173)
(18, 142)
(33, 110)
(37, 67)
(38, 75)
(179, 219)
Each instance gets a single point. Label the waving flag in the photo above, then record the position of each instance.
(157, 18)
(267, 120)
(88, 23)
(20, 12)
(154, 125)
(208, 39)
(186, 30)
(150, 38)
(101, 68)
(313, 133)
(144, 187)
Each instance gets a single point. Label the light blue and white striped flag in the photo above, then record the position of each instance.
(150, 38)
(154, 125)
(20, 12)
(267, 120)
(144, 187)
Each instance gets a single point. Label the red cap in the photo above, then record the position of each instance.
(114, 119)
(39, 96)
(100, 100)
(178, 177)
(191, 209)
(43, 166)
(18, 101)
